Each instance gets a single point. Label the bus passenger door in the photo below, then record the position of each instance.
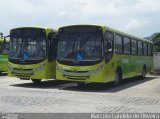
(108, 53)
(108, 46)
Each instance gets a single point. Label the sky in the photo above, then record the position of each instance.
(137, 17)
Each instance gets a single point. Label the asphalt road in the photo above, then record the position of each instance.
(133, 96)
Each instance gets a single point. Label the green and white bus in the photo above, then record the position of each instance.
(4, 43)
(32, 53)
(94, 53)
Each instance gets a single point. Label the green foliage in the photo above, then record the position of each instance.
(156, 41)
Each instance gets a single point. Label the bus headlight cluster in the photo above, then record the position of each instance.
(60, 69)
(86, 73)
(10, 68)
(96, 70)
(39, 68)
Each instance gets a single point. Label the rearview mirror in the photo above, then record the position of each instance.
(52, 36)
(1, 34)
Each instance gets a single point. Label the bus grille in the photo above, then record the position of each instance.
(75, 72)
(76, 77)
(22, 72)
(23, 75)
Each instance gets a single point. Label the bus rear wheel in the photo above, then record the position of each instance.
(36, 81)
(117, 80)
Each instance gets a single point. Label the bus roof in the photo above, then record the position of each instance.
(46, 28)
(81, 25)
(113, 30)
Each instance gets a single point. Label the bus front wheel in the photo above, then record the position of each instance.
(36, 81)
(117, 80)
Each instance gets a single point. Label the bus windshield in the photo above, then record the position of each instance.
(80, 47)
(27, 44)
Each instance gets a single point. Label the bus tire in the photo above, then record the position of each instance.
(81, 84)
(117, 80)
(143, 73)
(36, 81)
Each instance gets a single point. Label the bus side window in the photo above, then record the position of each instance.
(118, 44)
(134, 47)
(145, 49)
(140, 48)
(108, 45)
(127, 45)
(149, 49)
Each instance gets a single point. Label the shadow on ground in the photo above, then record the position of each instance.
(89, 87)
(50, 84)
(3, 74)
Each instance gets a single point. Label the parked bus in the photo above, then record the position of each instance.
(4, 47)
(32, 53)
(92, 53)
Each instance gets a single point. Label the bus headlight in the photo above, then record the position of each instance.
(60, 69)
(39, 68)
(10, 68)
(96, 70)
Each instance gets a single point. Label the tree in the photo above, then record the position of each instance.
(156, 41)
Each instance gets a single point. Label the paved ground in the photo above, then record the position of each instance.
(53, 96)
